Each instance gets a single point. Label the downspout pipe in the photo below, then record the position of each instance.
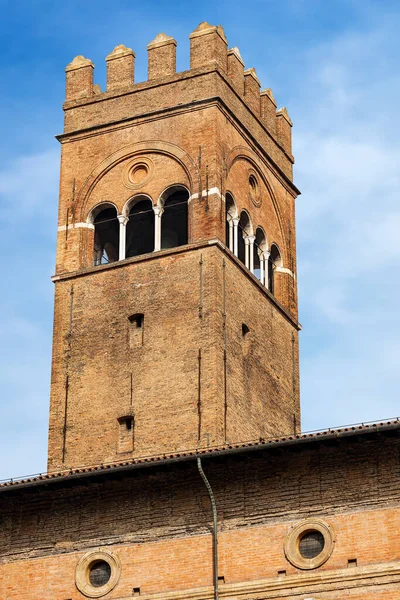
(215, 526)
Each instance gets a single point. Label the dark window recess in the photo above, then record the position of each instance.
(273, 262)
(174, 220)
(99, 573)
(282, 573)
(106, 237)
(311, 544)
(140, 229)
(136, 330)
(245, 329)
(352, 562)
(126, 434)
(136, 591)
(244, 231)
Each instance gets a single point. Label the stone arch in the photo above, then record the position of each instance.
(130, 151)
(130, 203)
(95, 210)
(244, 153)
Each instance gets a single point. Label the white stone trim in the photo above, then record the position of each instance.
(205, 193)
(75, 226)
(285, 270)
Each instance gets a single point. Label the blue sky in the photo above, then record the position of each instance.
(335, 66)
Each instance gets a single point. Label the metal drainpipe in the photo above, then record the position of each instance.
(215, 527)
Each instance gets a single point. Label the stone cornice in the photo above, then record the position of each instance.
(293, 585)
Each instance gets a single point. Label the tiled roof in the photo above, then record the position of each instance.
(226, 449)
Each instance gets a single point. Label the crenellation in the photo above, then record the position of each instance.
(268, 110)
(208, 44)
(79, 78)
(252, 90)
(236, 70)
(120, 68)
(161, 56)
(284, 129)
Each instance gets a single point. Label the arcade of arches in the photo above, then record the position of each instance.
(144, 228)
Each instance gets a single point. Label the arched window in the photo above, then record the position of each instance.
(174, 221)
(274, 261)
(244, 232)
(140, 228)
(106, 235)
(230, 214)
(260, 248)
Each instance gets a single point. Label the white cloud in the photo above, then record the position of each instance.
(348, 156)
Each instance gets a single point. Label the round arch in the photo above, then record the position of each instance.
(148, 147)
(130, 203)
(95, 210)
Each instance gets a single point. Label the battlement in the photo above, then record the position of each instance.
(208, 52)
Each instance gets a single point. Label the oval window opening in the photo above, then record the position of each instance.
(311, 544)
(99, 573)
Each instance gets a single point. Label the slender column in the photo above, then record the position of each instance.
(252, 239)
(262, 269)
(235, 222)
(247, 252)
(158, 211)
(231, 235)
(266, 268)
(122, 235)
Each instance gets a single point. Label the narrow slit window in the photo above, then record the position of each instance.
(126, 434)
(136, 330)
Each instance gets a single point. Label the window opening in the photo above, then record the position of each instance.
(260, 247)
(273, 262)
(140, 229)
(244, 232)
(174, 221)
(126, 434)
(311, 544)
(245, 329)
(230, 214)
(106, 237)
(136, 330)
(99, 573)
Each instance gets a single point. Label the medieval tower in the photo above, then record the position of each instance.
(175, 304)
(176, 465)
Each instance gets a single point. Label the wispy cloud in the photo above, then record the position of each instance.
(348, 221)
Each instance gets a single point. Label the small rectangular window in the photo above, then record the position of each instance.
(126, 434)
(136, 330)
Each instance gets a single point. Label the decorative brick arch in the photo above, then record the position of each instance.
(130, 151)
(244, 153)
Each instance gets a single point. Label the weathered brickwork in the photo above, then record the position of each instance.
(182, 352)
(157, 521)
(181, 391)
(197, 379)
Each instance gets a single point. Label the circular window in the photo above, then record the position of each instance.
(97, 573)
(254, 191)
(309, 544)
(137, 172)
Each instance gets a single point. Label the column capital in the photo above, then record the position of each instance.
(235, 221)
(251, 238)
(266, 254)
(158, 210)
(123, 219)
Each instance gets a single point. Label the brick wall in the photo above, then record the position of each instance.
(157, 520)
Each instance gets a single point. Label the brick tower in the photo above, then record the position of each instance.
(176, 468)
(175, 289)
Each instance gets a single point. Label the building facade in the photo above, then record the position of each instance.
(176, 466)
